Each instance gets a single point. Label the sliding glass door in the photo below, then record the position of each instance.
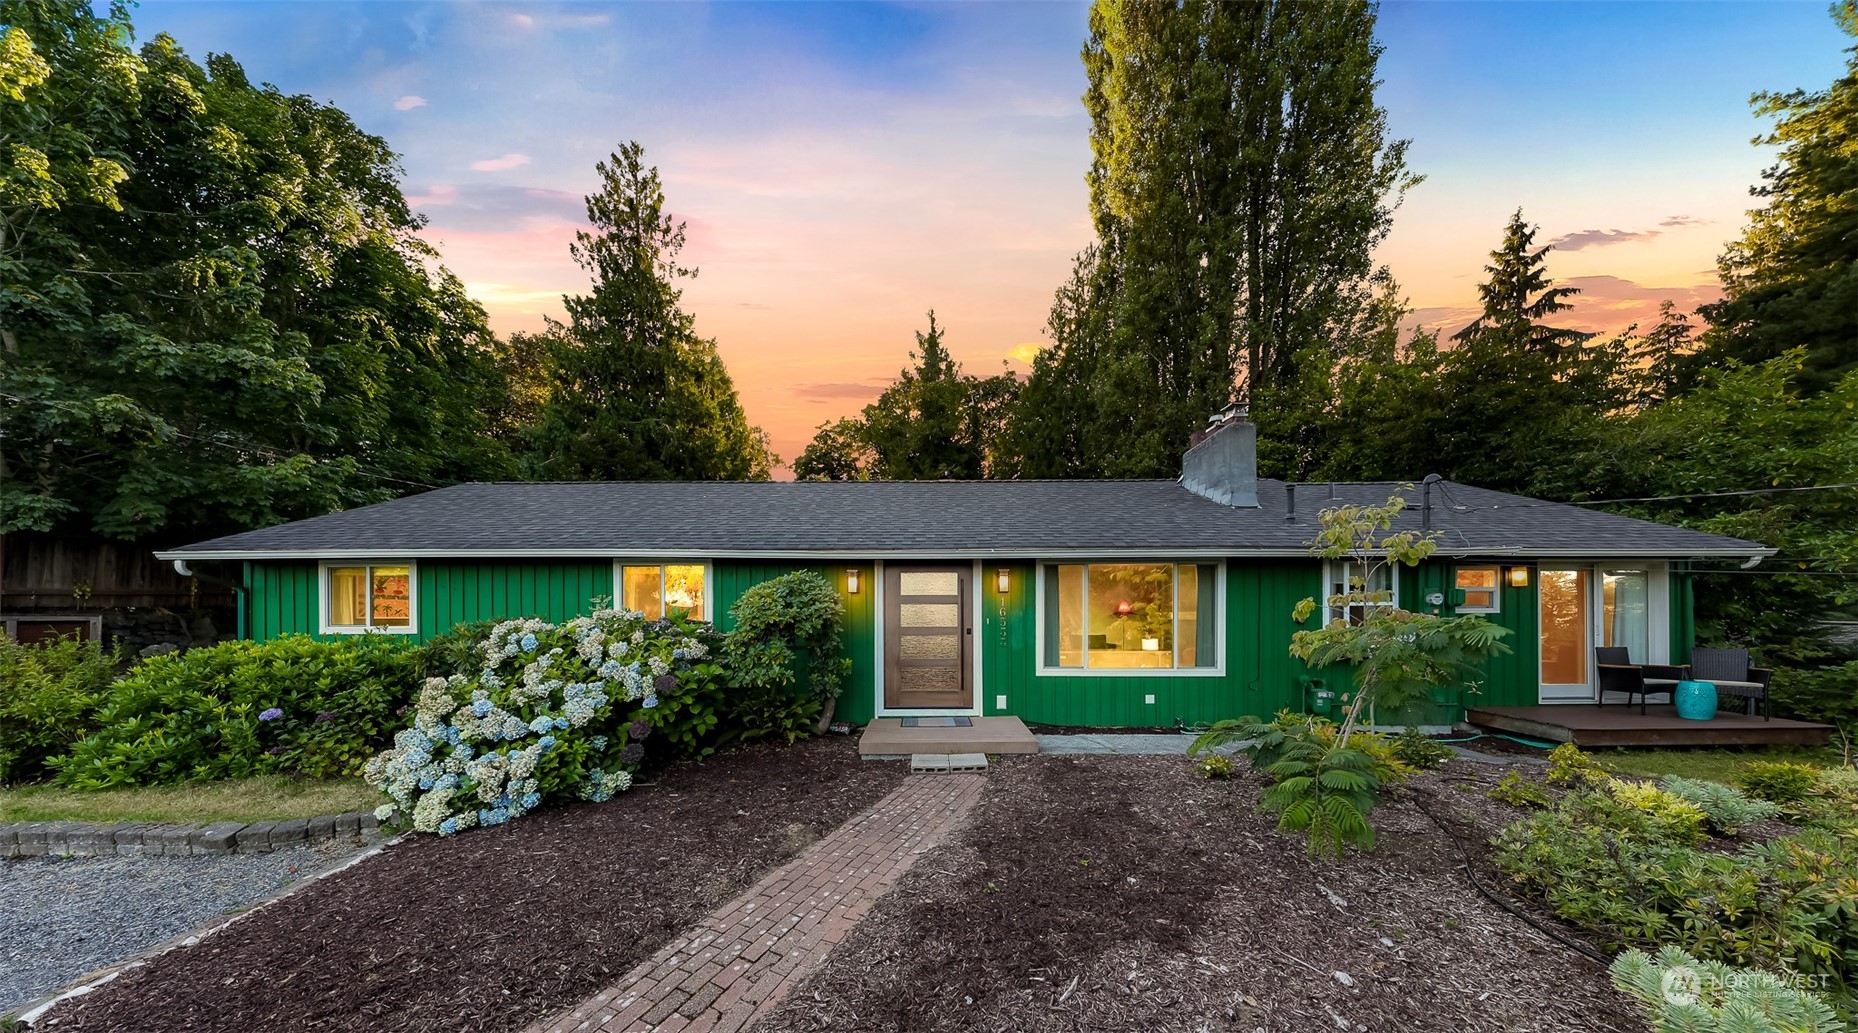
(1567, 622)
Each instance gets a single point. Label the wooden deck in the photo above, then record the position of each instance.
(886, 737)
(1584, 724)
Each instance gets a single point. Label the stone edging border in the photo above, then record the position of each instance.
(78, 838)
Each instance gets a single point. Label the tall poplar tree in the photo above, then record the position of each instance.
(1791, 281)
(1241, 177)
(635, 394)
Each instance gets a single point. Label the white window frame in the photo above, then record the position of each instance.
(1496, 590)
(1045, 668)
(323, 598)
(709, 591)
(1329, 612)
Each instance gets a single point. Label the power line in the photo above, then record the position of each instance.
(1461, 507)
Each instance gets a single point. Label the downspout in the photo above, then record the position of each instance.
(238, 588)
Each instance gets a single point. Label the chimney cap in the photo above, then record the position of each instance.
(1239, 411)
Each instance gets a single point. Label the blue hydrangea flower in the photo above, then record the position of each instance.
(448, 826)
(271, 714)
(541, 724)
(529, 643)
(531, 800)
(560, 723)
(650, 702)
(481, 707)
(426, 782)
(597, 743)
(546, 743)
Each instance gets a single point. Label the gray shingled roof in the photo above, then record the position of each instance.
(930, 518)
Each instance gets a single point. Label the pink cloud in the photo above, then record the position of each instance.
(1605, 305)
(1599, 238)
(437, 194)
(409, 102)
(508, 161)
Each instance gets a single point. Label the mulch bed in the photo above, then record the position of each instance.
(493, 928)
(1123, 893)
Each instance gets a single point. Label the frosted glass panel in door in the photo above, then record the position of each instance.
(1565, 620)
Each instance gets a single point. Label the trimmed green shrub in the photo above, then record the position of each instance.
(49, 694)
(292, 705)
(1777, 781)
(1681, 994)
(783, 657)
(1726, 809)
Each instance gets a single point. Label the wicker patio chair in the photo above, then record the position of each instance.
(1729, 671)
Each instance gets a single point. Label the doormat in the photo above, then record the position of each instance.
(938, 722)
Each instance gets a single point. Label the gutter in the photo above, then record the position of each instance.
(843, 555)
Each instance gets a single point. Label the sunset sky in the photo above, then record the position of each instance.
(844, 168)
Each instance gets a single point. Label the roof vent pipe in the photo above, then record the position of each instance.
(1290, 503)
(1425, 501)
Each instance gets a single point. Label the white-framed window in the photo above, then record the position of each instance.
(1482, 589)
(658, 589)
(1130, 618)
(1343, 578)
(369, 597)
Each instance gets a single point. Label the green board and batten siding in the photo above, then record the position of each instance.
(1260, 677)
(284, 596)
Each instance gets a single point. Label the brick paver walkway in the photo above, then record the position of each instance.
(723, 975)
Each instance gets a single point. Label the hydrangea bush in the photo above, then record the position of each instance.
(555, 712)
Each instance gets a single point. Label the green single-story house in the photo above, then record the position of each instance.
(1105, 603)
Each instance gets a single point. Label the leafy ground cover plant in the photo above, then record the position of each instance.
(1420, 751)
(1727, 810)
(1518, 790)
(49, 694)
(1319, 788)
(1777, 781)
(555, 712)
(1620, 860)
(292, 705)
(1681, 994)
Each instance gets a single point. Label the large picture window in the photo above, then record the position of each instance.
(1131, 616)
(367, 597)
(659, 589)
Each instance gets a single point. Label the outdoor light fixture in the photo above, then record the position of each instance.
(1003, 581)
(851, 582)
(1519, 577)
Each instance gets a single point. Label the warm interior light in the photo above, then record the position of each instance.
(1124, 608)
(851, 582)
(1519, 577)
(1003, 581)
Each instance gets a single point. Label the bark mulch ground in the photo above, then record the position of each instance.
(490, 929)
(1123, 893)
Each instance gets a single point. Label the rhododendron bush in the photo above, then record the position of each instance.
(556, 712)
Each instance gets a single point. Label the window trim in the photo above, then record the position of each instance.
(1496, 589)
(1329, 566)
(323, 598)
(619, 580)
(1044, 669)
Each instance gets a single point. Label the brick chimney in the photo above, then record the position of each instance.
(1223, 462)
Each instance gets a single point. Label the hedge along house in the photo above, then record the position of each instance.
(1103, 603)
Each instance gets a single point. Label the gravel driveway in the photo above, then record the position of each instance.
(70, 915)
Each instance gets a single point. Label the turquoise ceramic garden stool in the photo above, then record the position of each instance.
(1695, 700)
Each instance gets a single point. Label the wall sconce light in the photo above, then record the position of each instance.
(1003, 581)
(851, 582)
(1519, 577)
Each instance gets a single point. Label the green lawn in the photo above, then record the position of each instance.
(1715, 765)
(253, 799)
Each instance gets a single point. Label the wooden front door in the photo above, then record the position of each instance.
(927, 638)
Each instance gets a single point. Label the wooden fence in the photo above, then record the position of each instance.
(77, 575)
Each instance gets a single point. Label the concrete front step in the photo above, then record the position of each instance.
(886, 737)
(946, 763)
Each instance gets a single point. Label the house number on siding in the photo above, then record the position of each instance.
(1003, 620)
